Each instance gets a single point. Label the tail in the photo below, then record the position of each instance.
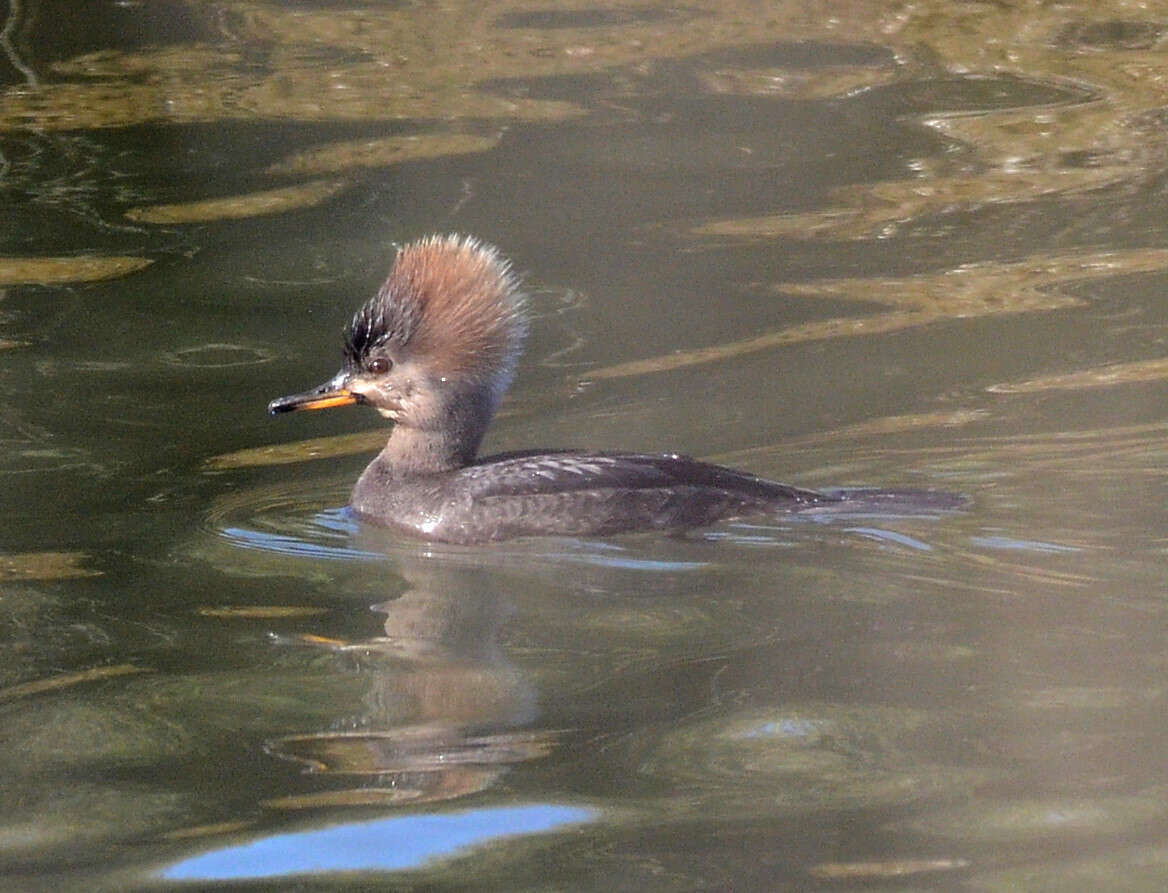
(859, 502)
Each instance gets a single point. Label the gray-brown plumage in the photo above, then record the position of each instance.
(435, 349)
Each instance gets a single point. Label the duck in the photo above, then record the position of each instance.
(434, 351)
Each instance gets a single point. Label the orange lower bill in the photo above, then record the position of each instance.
(321, 398)
(341, 398)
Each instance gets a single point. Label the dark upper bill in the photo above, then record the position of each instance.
(326, 396)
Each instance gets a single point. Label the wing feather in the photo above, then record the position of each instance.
(567, 471)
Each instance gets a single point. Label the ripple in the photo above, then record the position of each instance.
(1012, 544)
(607, 554)
(792, 533)
(218, 356)
(326, 534)
(814, 755)
(891, 536)
(310, 521)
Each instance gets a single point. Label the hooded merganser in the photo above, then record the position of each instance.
(434, 350)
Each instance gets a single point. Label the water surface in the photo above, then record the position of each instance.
(857, 245)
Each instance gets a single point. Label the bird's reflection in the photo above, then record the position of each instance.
(446, 714)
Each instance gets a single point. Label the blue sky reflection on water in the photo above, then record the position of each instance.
(390, 844)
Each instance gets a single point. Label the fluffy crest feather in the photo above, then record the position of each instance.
(451, 302)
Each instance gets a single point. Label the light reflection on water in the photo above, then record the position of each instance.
(389, 844)
(840, 265)
(892, 536)
(323, 535)
(1013, 544)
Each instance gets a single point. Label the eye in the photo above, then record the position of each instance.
(379, 365)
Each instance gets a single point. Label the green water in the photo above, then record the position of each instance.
(854, 246)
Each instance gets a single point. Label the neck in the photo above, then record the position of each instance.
(450, 443)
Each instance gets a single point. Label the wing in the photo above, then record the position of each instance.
(555, 473)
